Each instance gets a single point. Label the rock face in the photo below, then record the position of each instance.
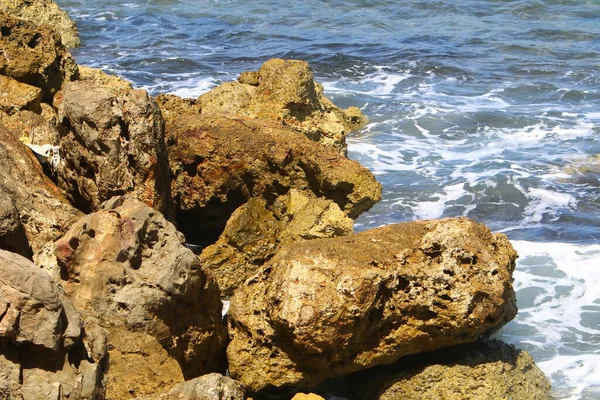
(114, 144)
(44, 212)
(126, 267)
(219, 163)
(41, 352)
(207, 387)
(483, 370)
(285, 91)
(327, 307)
(44, 12)
(254, 233)
(16, 96)
(34, 54)
(12, 233)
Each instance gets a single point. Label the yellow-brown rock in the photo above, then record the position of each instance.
(16, 96)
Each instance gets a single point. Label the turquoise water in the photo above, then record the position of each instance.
(487, 109)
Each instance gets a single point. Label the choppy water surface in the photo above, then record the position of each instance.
(486, 109)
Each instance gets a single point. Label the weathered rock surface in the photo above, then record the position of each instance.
(254, 233)
(114, 144)
(285, 91)
(219, 163)
(44, 12)
(12, 233)
(44, 212)
(126, 267)
(16, 96)
(207, 387)
(483, 370)
(35, 55)
(33, 127)
(327, 307)
(42, 355)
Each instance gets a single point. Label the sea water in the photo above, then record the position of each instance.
(488, 109)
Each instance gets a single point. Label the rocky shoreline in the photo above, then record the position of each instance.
(104, 190)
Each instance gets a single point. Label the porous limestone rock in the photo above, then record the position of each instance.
(33, 127)
(12, 233)
(207, 387)
(126, 266)
(490, 370)
(254, 233)
(44, 212)
(175, 109)
(33, 54)
(16, 96)
(113, 144)
(285, 91)
(44, 12)
(328, 307)
(219, 163)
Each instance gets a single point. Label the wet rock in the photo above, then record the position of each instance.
(328, 307)
(254, 233)
(126, 266)
(207, 387)
(44, 12)
(34, 54)
(219, 163)
(285, 91)
(12, 233)
(113, 144)
(16, 96)
(483, 370)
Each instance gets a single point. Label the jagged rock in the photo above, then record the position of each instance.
(328, 307)
(254, 233)
(16, 96)
(219, 163)
(44, 12)
(126, 266)
(175, 109)
(44, 212)
(285, 91)
(483, 370)
(113, 144)
(34, 54)
(34, 128)
(207, 387)
(113, 82)
(12, 233)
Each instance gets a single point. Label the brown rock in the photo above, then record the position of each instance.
(34, 54)
(483, 370)
(44, 12)
(207, 387)
(34, 128)
(223, 162)
(309, 396)
(126, 266)
(176, 109)
(285, 91)
(12, 233)
(254, 233)
(16, 96)
(327, 307)
(114, 144)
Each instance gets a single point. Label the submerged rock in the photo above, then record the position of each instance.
(483, 370)
(285, 91)
(328, 307)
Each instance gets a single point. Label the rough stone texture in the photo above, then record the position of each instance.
(254, 233)
(175, 108)
(44, 212)
(207, 387)
(44, 12)
(285, 91)
(115, 83)
(219, 163)
(12, 233)
(126, 266)
(33, 54)
(114, 144)
(33, 128)
(327, 307)
(16, 96)
(483, 370)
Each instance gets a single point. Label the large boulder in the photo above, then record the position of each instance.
(35, 55)
(112, 144)
(207, 387)
(44, 212)
(126, 267)
(219, 163)
(254, 233)
(285, 91)
(328, 307)
(43, 353)
(489, 370)
(45, 12)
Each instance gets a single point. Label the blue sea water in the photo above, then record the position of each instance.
(482, 108)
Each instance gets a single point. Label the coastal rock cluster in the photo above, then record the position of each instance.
(125, 220)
